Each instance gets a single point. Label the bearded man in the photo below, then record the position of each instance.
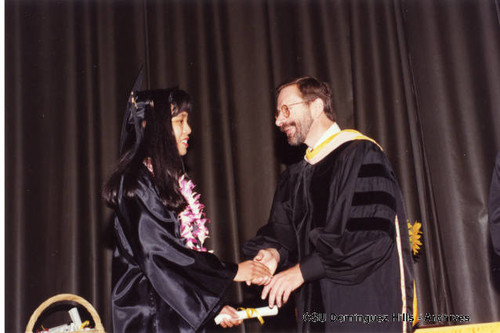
(337, 231)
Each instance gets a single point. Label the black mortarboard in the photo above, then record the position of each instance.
(132, 120)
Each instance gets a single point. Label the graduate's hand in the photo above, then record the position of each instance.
(251, 270)
(269, 257)
(282, 285)
(233, 321)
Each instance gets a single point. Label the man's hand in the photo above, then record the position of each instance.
(282, 285)
(269, 257)
(233, 321)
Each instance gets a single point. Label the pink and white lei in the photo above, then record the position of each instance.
(193, 221)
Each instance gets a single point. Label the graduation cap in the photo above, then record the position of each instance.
(134, 115)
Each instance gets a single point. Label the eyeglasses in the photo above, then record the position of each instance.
(285, 109)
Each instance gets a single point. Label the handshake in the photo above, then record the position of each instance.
(260, 271)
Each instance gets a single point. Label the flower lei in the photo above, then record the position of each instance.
(193, 221)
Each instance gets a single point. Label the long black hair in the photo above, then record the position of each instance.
(159, 144)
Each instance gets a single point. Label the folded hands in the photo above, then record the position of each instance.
(280, 286)
(260, 271)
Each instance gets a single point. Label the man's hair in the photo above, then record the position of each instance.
(312, 88)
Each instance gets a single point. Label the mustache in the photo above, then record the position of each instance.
(283, 127)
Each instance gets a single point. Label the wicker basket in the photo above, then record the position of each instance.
(67, 298)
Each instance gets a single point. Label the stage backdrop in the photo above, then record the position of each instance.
(420, 77)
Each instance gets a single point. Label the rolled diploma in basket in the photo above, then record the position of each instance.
(254, 313)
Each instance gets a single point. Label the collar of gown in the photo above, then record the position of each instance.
(331, 140)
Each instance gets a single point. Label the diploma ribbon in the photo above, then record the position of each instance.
(253, 311)
(84, 324)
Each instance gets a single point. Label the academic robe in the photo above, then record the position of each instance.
(160, 285)
(338, 218)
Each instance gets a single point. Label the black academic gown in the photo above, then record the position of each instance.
(337, 219)
(160, 285)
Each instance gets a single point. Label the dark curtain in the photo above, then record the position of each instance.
(420, 77)
(454, 53)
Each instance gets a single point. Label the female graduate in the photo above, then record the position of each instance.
(164, 280)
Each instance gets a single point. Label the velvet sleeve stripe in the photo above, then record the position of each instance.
(369, 224)
(374, 198)
(374, 170)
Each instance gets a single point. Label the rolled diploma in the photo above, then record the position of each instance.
(264, 311)
(75, 317)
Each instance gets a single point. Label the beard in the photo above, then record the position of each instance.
(301, 130)
(297, 137)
